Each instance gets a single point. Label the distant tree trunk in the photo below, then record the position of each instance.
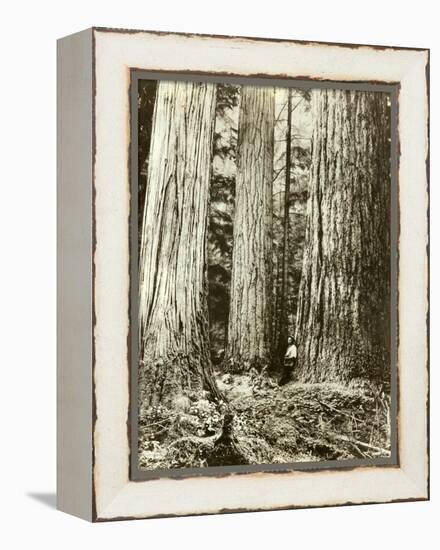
(344, 299)
(250, 315)
(283, 324)
(173, 321)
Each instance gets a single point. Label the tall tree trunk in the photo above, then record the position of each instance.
(250, 315)
(344, 299)
(283, 324)
(173, 320)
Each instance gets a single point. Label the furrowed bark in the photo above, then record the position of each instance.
(173, 321)
(250, 316)
(343, 319)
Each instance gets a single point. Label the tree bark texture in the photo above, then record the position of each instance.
(343, 319)
(173, 321)
(250, 315)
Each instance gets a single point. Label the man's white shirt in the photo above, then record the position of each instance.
(291, 352)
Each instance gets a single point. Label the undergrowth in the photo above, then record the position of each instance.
(267, 424)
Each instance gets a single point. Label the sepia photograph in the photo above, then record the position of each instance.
(265, 305)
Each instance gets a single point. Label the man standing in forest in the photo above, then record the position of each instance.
(289, 361)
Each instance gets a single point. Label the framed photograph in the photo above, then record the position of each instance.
(243, 307)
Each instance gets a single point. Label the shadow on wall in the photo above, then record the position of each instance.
(48, 499)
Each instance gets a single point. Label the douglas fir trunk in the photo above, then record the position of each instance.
(249, 329)
(344, 299)
(173, 323)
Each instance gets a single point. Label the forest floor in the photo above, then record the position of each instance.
(263, 423)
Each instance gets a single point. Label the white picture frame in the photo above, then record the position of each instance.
(94, 68)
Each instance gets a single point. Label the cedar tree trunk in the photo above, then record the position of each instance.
(173, 322)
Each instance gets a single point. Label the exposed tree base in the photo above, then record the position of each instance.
(227, 450)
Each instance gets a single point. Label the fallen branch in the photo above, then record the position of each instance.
(361, 444)
(169, 417)
(351, 416)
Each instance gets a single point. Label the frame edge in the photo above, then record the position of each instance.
(74, 274)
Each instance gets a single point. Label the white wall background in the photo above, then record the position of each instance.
(27, 290)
